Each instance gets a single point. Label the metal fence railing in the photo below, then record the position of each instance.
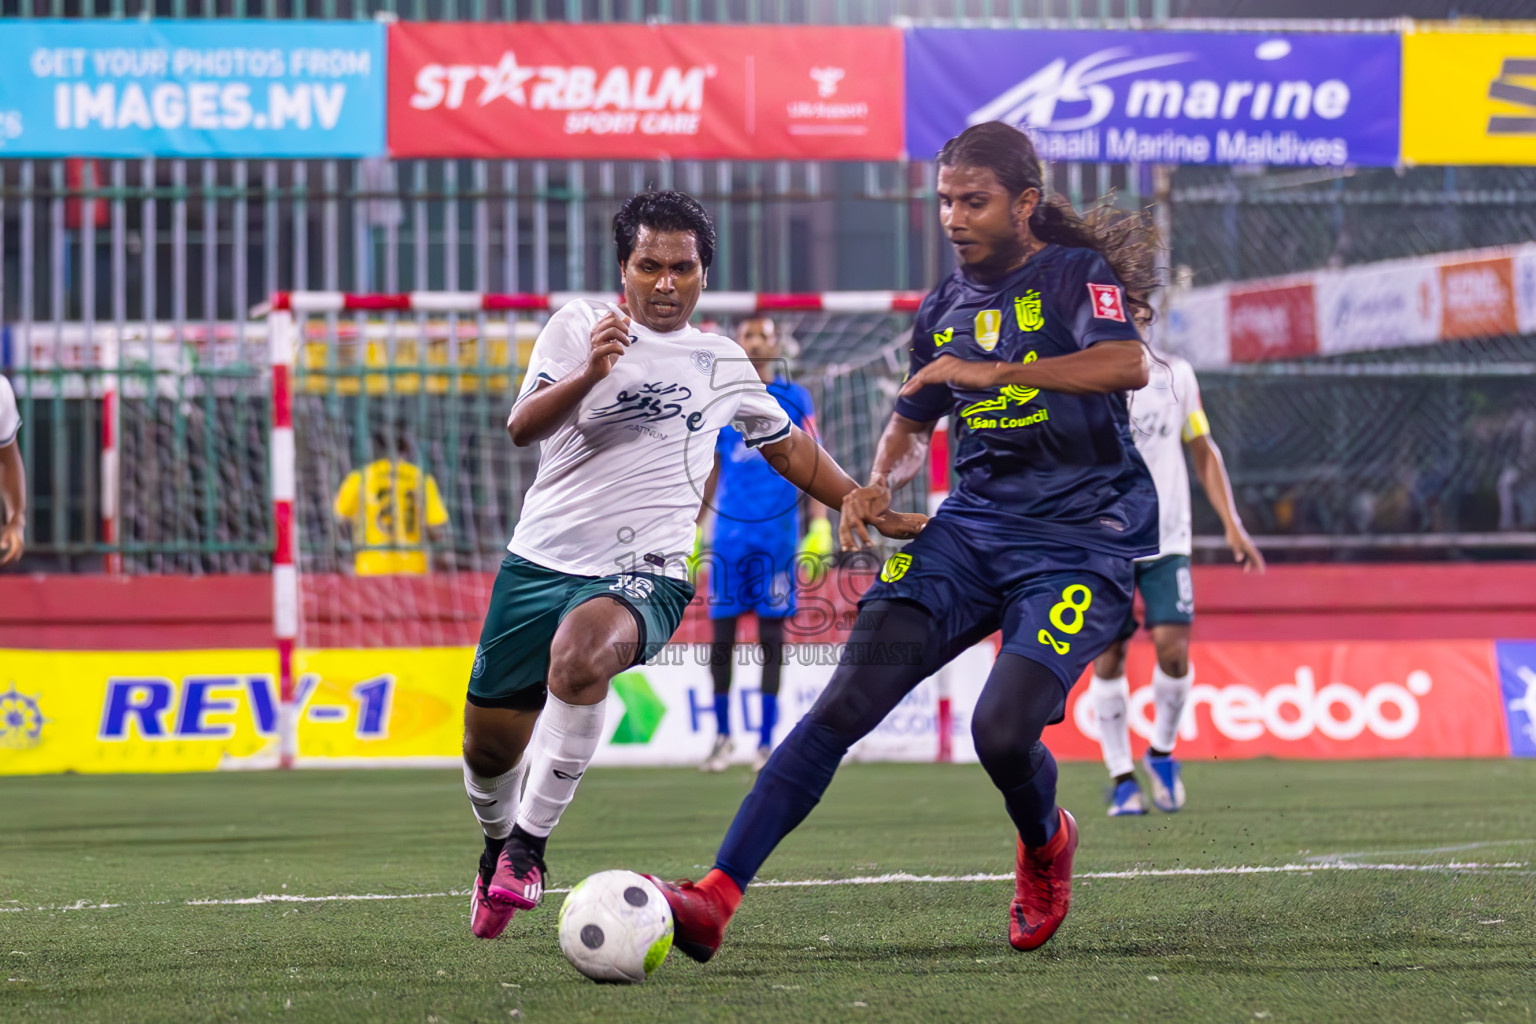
(178, 250)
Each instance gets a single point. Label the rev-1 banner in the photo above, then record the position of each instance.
(1162, 97)
(644, 91)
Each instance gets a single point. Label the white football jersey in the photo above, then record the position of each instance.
(10, 418)
(1165, 414)
(620, 482)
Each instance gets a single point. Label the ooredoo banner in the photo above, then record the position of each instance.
(1294, 99)
(1353, 699)
(645, 91)
(218, 88)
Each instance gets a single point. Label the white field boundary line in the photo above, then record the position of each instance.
(898, 877)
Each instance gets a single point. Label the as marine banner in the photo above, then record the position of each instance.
(644, 91)
(1287, 99)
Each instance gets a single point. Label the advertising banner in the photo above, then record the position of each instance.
(1477, 298)
(1273, 323)
(222, 88)
(1469, 96)
(644, 91)
(1163, 97)
(207, 710)
(1517, 686)
(1318, 700)
(1380, 305)
(1195, 325)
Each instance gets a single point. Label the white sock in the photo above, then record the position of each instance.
(1169, 694)
(567, 737)
(495, 798)
(1111, 699)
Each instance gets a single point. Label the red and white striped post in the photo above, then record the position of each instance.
(938, 490)
(716, 303)
(111, 422)
(285, 573)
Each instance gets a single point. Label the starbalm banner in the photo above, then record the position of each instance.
(644, 91)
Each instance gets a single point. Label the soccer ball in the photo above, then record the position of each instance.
(615, 926)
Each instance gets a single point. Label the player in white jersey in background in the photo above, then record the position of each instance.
(625, 408)
(1166, 416)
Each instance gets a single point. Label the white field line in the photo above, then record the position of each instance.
(896, 877)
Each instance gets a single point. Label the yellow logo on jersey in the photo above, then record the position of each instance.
(896, 567)
(989, 324)
(1026, 310)
(943, 337)
(1008, 393)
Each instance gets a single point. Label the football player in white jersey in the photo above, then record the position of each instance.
(625, 408)
(13, 479)
(1166, 416)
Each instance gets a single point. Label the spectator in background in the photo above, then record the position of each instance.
(1516, 484)
(383, 502)
(13, 480)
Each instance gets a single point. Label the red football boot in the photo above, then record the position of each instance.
(1042, 887)
(700, 912)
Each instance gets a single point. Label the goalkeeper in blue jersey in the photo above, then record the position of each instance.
(753, 564)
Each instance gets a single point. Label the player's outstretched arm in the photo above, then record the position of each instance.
(539, 413)
(1104, 367)
(899, 457)
(812, 468)
(1212, 472)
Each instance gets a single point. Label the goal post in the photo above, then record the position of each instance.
(429, 376)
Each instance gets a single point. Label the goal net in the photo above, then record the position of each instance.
(395, 487)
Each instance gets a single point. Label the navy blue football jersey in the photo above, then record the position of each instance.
(1044, 464)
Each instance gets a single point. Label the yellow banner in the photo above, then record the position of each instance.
(1469, 94)
(175, 711)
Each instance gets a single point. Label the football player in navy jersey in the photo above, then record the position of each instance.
(1030, 348)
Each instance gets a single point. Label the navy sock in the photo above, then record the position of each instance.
(723, 713)
(770, 719)
(1032, 803)
(785, 792)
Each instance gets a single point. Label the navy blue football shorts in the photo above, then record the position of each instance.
(1057, 605)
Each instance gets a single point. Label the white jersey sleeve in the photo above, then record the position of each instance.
(759, 416)
(562, 346)
(10, 417)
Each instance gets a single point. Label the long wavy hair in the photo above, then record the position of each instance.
(1125, 238)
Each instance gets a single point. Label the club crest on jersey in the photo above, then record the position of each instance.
(1107, 304)
(703, 361)
(1026, 310)
(943, 337)
(896, 567)
(989, 324)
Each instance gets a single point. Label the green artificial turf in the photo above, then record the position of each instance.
(1450, 944)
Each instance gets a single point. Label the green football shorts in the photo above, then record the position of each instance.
(528, 603)
(1167, 594)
